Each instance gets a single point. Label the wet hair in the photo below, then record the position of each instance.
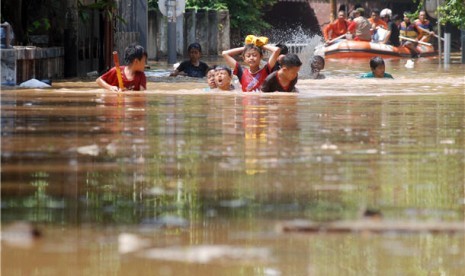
(133, 52)
(283, 47)
(194, 45)
(248, 47)
(375, 11)
(375, 62)
(221, 68)
(213, 67)
(291, 60)
(317, 59)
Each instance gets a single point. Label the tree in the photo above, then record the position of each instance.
(245, 15)
(453, 12)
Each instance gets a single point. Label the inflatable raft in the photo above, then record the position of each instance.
(363, 49)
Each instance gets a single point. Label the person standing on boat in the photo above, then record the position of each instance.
(337, 28)
(424, 27)
(392, 34)
(360, 26)
(376, 23)
(409, 30)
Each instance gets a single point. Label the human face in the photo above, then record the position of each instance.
(375, 16)
(222, 79)
(139, 64)
(194, 55)
(211, 79)
(316, 66)
(422, 16)
(290, 73)
(252, 58)
(341, 16)
(406, 19)
(378, 72)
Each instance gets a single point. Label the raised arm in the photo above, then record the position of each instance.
(274, 55)
(228, 56)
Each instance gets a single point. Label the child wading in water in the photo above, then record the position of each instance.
(285, 79)
(133, 74)
(377, 69)
(211, 78)
(223, 78)
(192, 67)
(252, 78)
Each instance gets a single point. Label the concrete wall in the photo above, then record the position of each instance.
(24, 63)
(135, 28)
(209, 28)
(8, 70)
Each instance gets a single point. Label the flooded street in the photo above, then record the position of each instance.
(182, 181)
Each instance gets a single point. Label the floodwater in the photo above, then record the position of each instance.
(182, 181)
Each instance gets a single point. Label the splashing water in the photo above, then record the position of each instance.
(301, 42)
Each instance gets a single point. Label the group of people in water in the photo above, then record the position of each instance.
(280, 73)
(381, 27)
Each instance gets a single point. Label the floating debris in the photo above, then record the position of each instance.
(20, 234)
(128, 243)
(207, 253)
(92, 150)
(34, 83)
(375, 226)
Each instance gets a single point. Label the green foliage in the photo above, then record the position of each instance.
(107, 7)
(244, 14)
(38, 24)
(453, 12)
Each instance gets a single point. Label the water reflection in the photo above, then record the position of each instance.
(182, 169)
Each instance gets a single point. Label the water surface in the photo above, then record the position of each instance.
(182, 181)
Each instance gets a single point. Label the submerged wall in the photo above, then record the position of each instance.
(24, 63)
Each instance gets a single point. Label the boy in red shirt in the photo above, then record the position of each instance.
(133, 74)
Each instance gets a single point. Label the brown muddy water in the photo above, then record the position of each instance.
(182, 181)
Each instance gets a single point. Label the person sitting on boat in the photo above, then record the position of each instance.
(409, 31)
(376, 23)
(424, 27)
(337, 28)
(317, 63)
(377, 69)
(392, 32)
(360, 26)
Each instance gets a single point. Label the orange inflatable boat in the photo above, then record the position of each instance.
(363, 49)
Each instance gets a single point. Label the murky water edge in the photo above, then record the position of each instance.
(181, 181)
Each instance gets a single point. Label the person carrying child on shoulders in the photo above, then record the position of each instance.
(285, 79)
(132, 75)
(192, 67)
(252, 78)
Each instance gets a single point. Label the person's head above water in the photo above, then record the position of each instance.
(377, 66)
(223, 78)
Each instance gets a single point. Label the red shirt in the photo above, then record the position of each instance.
(337, 28)
(139, 79)
(251, 81)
